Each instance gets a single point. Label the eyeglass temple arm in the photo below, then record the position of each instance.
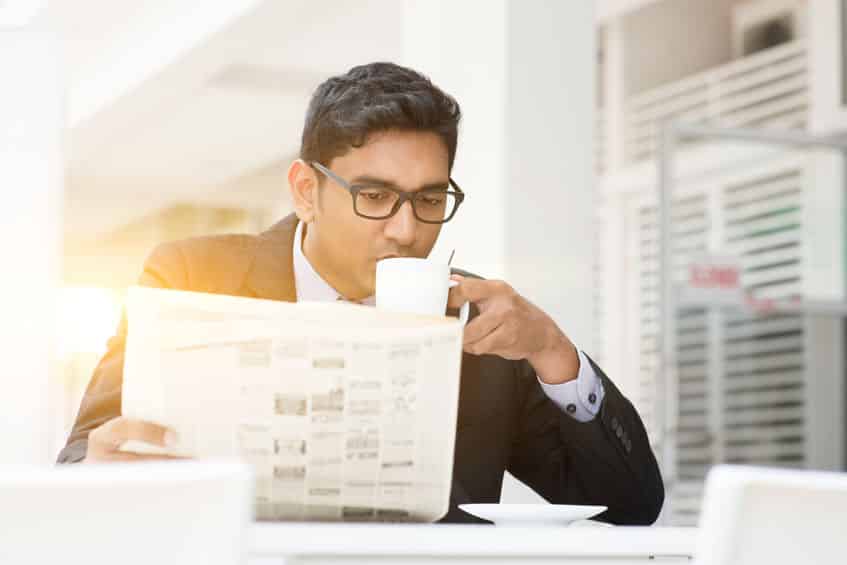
(341, 182)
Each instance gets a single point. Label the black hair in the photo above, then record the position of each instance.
(346, 109)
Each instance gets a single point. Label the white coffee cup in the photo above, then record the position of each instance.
(415, 286)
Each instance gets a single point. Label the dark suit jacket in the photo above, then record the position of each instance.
(505, 421)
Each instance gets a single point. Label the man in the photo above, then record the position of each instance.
(373, 181)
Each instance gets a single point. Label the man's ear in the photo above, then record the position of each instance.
(303, 183)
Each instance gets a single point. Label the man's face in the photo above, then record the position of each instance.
(344, 247)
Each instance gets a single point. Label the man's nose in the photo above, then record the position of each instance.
(402, 226)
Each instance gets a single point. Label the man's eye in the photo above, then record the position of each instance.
(374, 195)
(432, 199)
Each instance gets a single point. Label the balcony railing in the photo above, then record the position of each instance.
(769, 89)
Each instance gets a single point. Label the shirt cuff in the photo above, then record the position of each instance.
(580, 398)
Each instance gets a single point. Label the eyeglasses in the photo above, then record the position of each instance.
(375, 202)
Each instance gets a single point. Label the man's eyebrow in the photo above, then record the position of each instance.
(376, 181)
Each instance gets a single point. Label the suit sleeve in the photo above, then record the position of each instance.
(164, 268)
(606, 461)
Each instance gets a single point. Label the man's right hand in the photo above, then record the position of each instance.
(104, 442)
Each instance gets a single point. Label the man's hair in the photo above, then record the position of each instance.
(345, 110)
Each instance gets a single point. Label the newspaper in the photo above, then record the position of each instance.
(345, 412)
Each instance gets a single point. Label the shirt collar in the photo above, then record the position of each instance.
(310, 286)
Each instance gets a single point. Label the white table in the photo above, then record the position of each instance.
(351, 544)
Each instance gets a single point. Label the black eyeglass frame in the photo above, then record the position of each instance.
(402, 196)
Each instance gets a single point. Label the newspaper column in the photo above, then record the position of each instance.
(31, 170)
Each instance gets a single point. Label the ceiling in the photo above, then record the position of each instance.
(198, 101)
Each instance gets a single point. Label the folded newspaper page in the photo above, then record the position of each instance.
(346, 412)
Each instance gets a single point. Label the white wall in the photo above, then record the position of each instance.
(826, 50)
(607, 10)
(31, 169)
(550, 167)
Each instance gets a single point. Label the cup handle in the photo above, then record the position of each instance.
(465, 310)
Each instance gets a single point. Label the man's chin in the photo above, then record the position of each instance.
(368, 284)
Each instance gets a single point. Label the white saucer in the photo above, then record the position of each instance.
(532, 514)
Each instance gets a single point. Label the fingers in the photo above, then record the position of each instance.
(494, 330)
(115, 432)
(476, 290)
(481, 326)
(455, 298)
(105, 441)
(500, 342)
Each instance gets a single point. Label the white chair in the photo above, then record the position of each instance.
(759, 516)
(162, 513)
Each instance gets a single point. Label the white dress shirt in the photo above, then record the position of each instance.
(580, 398)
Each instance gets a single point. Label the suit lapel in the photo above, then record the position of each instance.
(271, 274)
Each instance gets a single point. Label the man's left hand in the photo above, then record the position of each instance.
(511, 327)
